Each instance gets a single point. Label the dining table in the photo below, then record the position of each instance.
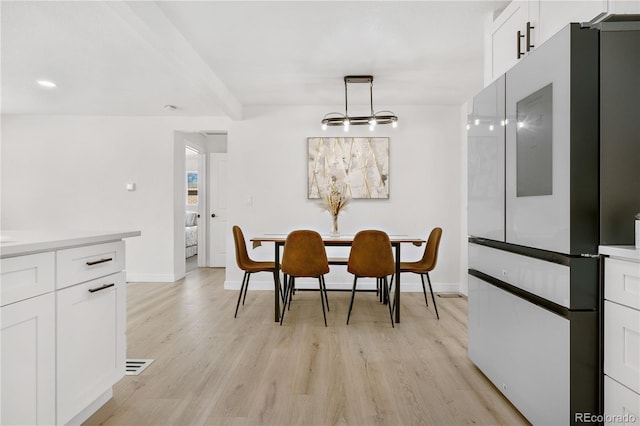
(335, 241)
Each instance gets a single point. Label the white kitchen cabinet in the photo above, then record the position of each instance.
(545, 19)
(502, 49)
(28, 362)
(622, 332)
(63, 313)
(91, 342)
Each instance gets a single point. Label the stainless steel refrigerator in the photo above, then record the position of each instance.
(539, 161)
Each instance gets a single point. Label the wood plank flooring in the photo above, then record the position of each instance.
(212, 369)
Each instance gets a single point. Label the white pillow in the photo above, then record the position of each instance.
(190, 218)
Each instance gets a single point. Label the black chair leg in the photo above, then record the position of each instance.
(287, 286)
(386, 291)
(323, 288)
(278, 286)
(353, 292)
(324, 314)
(245, 278)
(292, 288)
(432, 297)
(246, 287)
(424, 289)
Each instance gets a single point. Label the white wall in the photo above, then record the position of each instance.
(268, 161)
(70, 172)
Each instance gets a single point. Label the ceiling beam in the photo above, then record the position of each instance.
(150, 23)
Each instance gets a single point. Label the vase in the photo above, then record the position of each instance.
(335, 232)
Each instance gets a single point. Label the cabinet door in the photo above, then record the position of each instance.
(504, 36)
(555, 15)
(28, 362)
(91, 342)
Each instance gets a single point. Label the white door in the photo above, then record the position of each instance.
(217, 209)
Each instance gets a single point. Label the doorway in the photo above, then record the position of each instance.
(201, 185)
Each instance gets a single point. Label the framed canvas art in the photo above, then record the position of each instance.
(358, 166)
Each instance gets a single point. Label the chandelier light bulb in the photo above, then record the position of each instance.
(324, 126)
(468, 126)
(491, 127)
(394, 124)
(476, 121)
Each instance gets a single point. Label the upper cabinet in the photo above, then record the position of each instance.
(525, 24)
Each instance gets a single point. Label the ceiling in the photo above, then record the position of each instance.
(216, 57)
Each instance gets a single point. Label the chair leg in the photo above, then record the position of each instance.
(353, 292)
(292, 288)
(424, 289)
(324, 288)
(277, 285)
(386, 290)
(393, 305)
(287, 286)
(324, 314)
(432, 298)
(246, 287)
(245, 279)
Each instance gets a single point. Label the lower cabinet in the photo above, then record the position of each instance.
(28, 361)
(91, 341)
(622, 337)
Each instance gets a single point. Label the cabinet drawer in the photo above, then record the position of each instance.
(622, 282)
(622, 402)
(91, 342)
(27, 276)
(82, 264)
(622, 344)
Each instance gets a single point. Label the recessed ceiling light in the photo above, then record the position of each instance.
(46, 83)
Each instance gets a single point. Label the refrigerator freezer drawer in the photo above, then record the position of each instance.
(523, 349)
(545, 279)
(566, 282)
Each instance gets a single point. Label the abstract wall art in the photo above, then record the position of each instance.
(359, 166)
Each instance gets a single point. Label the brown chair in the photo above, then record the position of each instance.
(249, 266)
(304, 255)
(425, 265)
(371, 257)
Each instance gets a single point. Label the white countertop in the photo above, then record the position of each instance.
(17, 243)
(622, 252)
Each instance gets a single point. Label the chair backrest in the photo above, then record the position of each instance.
(304, 255)
(371, 255)
(242, 257)
(430, 256)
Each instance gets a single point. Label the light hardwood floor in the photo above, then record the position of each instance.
(212, 369)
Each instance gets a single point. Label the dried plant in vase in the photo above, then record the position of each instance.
(334, 201)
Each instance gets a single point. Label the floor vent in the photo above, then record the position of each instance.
(449, 295)
(136, 366)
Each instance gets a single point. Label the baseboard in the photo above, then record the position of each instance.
(408, 287)
(91, 408)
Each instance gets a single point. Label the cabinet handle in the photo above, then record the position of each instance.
(95, 262)
(529, 28)
(520, 35)
(93, 290)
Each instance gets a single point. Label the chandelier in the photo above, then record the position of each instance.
(339, 119)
